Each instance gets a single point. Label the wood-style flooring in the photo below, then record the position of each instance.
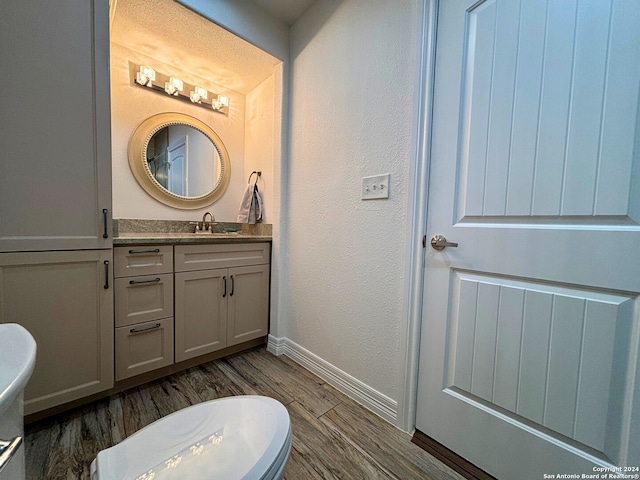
(333, 436)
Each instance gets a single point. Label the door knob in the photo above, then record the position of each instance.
(438, 242)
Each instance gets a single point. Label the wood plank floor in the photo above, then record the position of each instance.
(333, 436)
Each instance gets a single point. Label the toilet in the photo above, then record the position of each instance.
(244, 437)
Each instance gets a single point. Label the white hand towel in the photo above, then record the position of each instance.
(251, 205)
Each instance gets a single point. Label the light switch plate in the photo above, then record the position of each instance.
(375, 187)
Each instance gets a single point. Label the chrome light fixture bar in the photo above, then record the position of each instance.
(149, 78)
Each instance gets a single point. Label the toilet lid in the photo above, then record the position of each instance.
(228, 438)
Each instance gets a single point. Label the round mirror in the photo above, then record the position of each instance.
(179, 160)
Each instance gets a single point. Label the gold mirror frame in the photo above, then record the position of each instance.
(139, 167)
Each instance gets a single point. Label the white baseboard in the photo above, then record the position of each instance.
(362, 393)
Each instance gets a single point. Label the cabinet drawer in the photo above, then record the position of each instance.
(141, 299)
(204, 257)
(144, 260)
(143, 347)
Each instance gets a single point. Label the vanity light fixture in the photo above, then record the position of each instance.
(146, 76)
(198, 94)
(220, 102)
(173, 86)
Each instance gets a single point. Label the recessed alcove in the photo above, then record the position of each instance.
(178, 42)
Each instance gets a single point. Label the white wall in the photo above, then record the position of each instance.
(260, 139)
(131, 104)
(353, 67)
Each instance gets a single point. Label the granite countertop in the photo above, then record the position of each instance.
(139, 232)
(186, 238)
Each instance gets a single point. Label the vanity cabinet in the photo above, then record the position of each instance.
(55, 187)
(62, 299)
(55, 193)
(143, 309)
(222, 296)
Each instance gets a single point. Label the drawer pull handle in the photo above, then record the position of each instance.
(153, 250)
(224, 279)
(233, 284)
(106, 231)
(138, 282)
(106, 274)
(8, 450)
(138, 330)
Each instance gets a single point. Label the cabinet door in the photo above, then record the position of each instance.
(55, 124)
(200, 312)
(60, 297)
(248, 303)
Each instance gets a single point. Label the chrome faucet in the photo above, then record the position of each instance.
(207, 226)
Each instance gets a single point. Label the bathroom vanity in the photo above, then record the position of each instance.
(55, 207)
(166, 301)
(187, 298)
(58, 275)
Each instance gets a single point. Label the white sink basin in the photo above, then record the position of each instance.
(17, 359)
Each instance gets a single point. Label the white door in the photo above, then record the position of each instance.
(531, 326)
(178, 166)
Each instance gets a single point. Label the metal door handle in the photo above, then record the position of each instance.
(106, 232)
(138, 330)
(106, 274)
(438, 242)
(224, 279)
(7, 450)
(153, 250)
(138, 282)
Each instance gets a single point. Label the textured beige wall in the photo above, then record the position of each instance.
(353, 68)
(260, 139)
(130, 105)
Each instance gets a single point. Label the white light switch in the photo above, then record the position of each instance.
(375, 187)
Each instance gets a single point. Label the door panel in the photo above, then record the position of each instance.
(548, 110)
(56, 153)
(547, 354)
(531, 326)
(200, 312)
(249, 304)
(63, 300)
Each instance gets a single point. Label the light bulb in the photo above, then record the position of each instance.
(224, 100)
(173, 86)
(146, 76)
(220, 102)
(198, 94)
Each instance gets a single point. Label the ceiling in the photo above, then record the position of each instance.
(177, 38)
(288, 11)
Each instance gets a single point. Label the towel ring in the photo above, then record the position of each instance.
(255, 172)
